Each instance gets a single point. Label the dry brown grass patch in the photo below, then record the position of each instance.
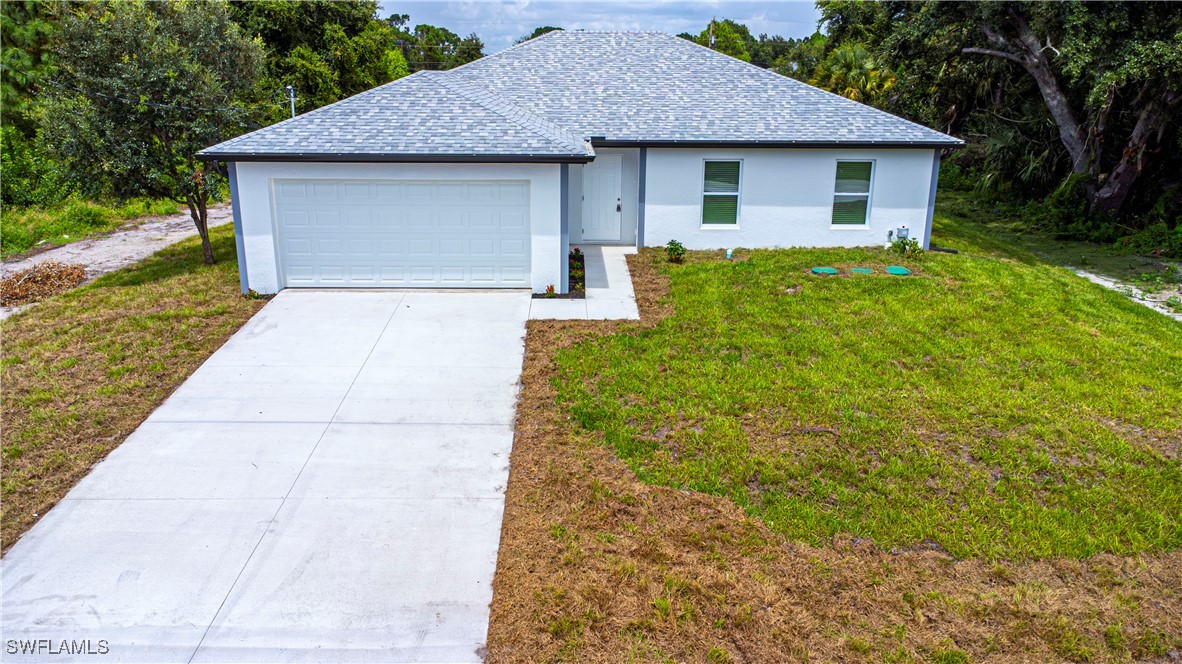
(83, 369)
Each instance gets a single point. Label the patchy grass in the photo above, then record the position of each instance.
(661, 452)
(965, 218)
(991, 407)
(83, 369)
(36, 228)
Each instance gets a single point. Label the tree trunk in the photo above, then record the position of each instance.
(1151, 124)
(200, 216)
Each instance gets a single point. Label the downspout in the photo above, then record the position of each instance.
(236, 206)
(564, 228)
(927, 228)
(640, 203)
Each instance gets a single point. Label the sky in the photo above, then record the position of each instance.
(500, 22)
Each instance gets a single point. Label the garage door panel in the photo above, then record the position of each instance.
(403, 233)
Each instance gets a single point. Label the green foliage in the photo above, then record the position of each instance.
(1117, 65)
(728, 37)
(538, 32)
(174, 79)
(852, 72)
(801, 57)
(907, 247)
(675, 251)
(29, 178)
(70, 221)
(326, 50)
(26, 30)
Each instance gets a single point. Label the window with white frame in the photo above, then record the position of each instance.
(851, 194)
(720, 193)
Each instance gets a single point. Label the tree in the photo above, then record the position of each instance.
(26, 28)
(1107, 76)
(852, 72)
(538, 32)
(802, 57)
(1146, 68)
(326, 50)
(436, 48)
(727, 37)
(152, 84)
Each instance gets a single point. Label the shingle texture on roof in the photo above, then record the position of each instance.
(422, 114)
(548, 96)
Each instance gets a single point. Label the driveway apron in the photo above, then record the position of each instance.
(327, 487)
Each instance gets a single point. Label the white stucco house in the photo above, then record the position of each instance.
(486, 175)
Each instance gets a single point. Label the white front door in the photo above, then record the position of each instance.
(602, 204)
(403, 233)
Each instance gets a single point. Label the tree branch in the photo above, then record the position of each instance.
(997, 54)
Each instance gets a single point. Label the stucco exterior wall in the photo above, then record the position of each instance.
(785, 197)
(256, 207)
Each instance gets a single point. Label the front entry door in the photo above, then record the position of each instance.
(602, 204)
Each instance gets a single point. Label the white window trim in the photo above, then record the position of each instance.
(702, 194)
(869, 195)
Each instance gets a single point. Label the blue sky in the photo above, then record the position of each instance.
(500, 22)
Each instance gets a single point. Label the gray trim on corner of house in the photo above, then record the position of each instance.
(927, 229)
(564, 227)
(640, 196)
(237, 209)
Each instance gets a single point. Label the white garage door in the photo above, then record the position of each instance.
(403, 233)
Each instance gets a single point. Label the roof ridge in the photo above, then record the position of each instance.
(513, 47)
(555, 133)
(782, 79)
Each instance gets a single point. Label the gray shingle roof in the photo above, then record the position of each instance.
(545, 98)
(424, 114)
(653, 87)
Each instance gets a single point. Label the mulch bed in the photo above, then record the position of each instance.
(36, 283)
(578, 280)
(596, 566)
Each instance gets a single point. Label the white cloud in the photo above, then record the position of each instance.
(500, 22)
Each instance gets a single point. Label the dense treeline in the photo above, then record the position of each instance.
(110, 100)
(1070, 109)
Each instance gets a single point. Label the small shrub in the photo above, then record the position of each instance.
(675, 251)
(1174, 304)
(907, 247)
(550, 292)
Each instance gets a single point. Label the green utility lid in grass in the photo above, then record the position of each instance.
(862, 270)
(898, 271)
(824, 270)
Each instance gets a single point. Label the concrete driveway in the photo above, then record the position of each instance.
(327, 487)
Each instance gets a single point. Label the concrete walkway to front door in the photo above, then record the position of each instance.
(327, 487)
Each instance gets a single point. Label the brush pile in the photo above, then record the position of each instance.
(39, 282)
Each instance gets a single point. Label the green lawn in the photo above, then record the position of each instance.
(990, 404)
(22, 229)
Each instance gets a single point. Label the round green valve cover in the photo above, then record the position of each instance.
(824, 270)
(862, 270)
(898, 271)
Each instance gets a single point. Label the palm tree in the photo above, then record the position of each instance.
(852, 72)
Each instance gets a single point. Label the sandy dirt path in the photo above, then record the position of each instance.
(121, 248)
